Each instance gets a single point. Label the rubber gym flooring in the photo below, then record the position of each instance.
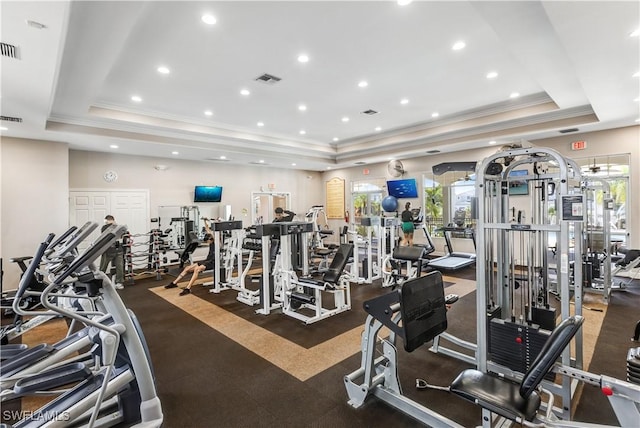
(217, 363)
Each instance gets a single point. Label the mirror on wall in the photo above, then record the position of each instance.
(614, 169)
(263, 205)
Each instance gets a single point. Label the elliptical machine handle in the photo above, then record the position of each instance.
(28, 274)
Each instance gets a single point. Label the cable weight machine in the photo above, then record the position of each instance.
(514, 258)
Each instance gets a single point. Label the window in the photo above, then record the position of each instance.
(366, 198)
(615, 170)
(447, 199)
(433, 204)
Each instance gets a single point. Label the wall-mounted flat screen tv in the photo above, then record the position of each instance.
(207, 194)
(400, 189)
(518, 187)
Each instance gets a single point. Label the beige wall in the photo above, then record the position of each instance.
(35, 195)
(174, 186)
(603, 143)
(36, 177)
(617, 141)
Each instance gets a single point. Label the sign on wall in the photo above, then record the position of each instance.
(335, 198)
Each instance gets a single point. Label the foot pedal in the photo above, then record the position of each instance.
(450, 299)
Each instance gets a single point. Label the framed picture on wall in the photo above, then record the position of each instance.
(516, 186)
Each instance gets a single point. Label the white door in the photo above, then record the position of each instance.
(130, 207)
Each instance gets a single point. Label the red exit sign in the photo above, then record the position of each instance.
(578, 145)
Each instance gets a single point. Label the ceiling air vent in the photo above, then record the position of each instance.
(566, 131)
(217, 160)
(370, 112)
(8, 50)
(433, 152)
(268, 78)
(258, 163)
(11, 119)
(360, 163)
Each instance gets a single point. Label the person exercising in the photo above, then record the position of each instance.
(197, 267)
(407, 224)
(283, 215)
(114, 255)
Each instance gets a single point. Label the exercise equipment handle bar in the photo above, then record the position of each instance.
(88, 256)
(26, 277)
(62, 237)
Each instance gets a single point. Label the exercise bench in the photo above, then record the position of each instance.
(306, 293)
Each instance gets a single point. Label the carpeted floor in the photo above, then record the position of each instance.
(204, 376)
(217, 363)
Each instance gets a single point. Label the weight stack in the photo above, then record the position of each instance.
(515, 345)
(633, 365)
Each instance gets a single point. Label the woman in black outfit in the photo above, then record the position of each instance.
(407, 224)
(197, 267)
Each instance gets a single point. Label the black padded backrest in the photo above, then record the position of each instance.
(338, 263)
(549, 354)
(413, 253)
(423, 310)
(629, 256)
(194, 242)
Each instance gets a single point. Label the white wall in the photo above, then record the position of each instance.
(603, 143)
(35, 198)
(174, 186)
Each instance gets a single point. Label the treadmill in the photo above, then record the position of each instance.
(455, 260)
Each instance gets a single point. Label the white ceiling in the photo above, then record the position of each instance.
(571, 62)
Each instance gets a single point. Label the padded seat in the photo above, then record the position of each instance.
(495, 394)
(516, 401)
(323, 252)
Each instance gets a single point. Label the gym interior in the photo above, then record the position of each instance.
(398, 213)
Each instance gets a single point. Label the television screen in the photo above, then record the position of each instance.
(207, 194)
(406, 188)
(516, 186)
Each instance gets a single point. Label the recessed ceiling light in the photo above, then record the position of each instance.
(302, 132)
(209, 19)
(163, 70)
(363, 84)
(637, 99)
(635, 33)
(492, 75)
(492, 142)
(261, 161)
(336, 139)
(175, 153)
(208, 113)
(638, 120)
(514, 95)
(303, 58)
(378, 129)
(302, 107)
(3, 128)
(404, 101)
(113, 146)
(636, 74)
(260, 124)
(345, 119)
(435, 114)
(36, 24)
(136, 98)
(223, 157)
(404, 2)
(293, 164)
(458, 45)
(245, 92)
